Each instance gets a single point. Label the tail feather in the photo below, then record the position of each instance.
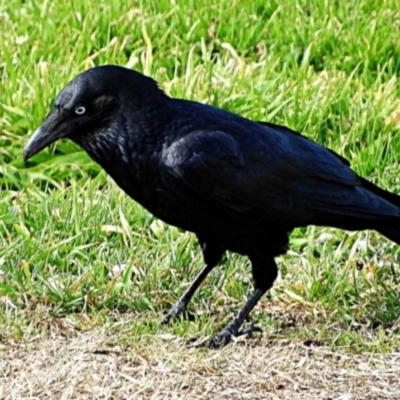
(391, 232)
(388, 196)
(388, 228)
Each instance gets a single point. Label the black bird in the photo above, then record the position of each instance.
(239, 185)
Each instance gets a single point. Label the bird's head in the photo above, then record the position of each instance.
(91, 103)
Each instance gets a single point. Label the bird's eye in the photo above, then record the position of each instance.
(80, 110)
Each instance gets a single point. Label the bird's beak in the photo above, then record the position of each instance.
(46, 134)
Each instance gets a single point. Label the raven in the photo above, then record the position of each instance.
(239, 185)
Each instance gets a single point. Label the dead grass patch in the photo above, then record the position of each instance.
(101, 364)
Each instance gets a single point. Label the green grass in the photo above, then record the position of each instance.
(72, 245)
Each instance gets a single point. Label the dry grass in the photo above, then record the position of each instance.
(63, 363)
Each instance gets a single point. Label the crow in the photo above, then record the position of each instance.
(239, 185)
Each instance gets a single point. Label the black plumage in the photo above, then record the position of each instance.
(239, 185)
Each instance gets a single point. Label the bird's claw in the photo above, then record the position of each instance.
(166, 319)
(225, 337)
(174, 312)
(177, 310)
(249, 332)
(221, 340)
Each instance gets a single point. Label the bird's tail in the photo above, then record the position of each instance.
(389, 228)
(391, 232)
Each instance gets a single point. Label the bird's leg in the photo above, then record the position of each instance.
(263, 281)
(180, 306)
(212, 254)
(232, 330)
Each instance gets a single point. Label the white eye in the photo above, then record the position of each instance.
(80, 110)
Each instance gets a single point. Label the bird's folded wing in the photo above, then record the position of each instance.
(286, 177)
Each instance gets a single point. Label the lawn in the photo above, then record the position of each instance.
(86, 274)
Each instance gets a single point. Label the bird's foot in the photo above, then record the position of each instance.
(222, 339)
(225, 337)
(177, 310)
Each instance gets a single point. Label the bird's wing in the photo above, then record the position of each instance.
(272, 175)
(285, 130)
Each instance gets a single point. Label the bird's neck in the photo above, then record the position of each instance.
(127, 150)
